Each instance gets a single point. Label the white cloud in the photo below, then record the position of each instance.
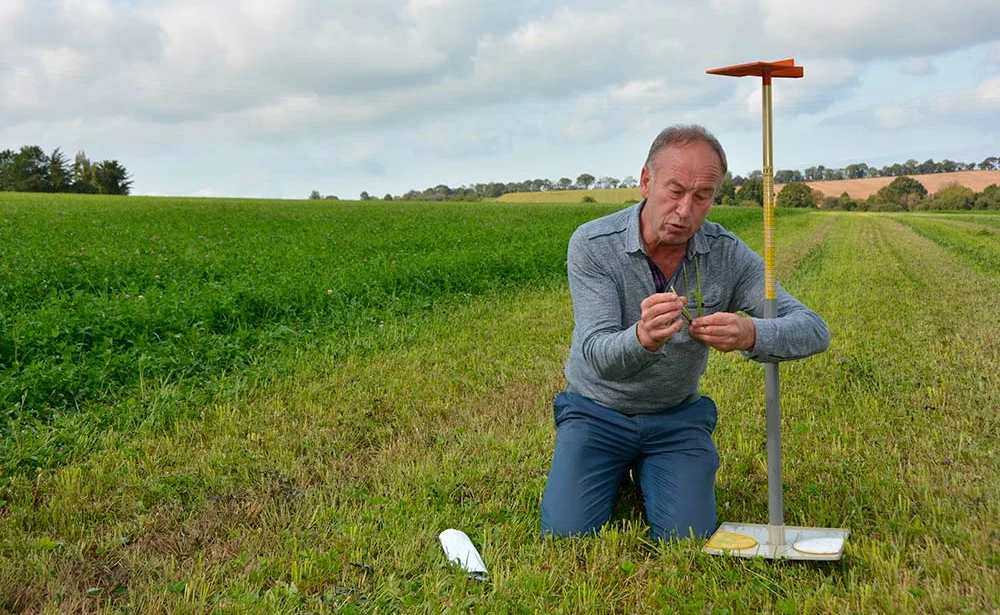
(645, 94)
(587, 120)
(887, 28)
(943, 108)
(895, 116)
(827, 80)
(917, 66)
(987, 94)
(361, 88)
(557, 55)
(10, 14)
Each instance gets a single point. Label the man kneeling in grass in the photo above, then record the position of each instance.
(654, 286)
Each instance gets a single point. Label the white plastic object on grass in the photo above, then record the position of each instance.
(820, 546)
(460, 550)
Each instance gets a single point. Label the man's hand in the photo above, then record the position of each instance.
(724, 331)
(660, 319)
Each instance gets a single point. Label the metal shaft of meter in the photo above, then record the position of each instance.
(775, 502)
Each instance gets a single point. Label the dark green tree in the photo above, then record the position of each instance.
(60, 179)
(857, 171)
(751, 191)
(29, 170)
(787, 176)
(797, 194)
(813, 174)
(989, 198)
(585, 180)
(6, 160)
(846, 203)
(927, 166)
(84, 177)
(726, 194)
(903, 193)
(953, 196)
(947, 166)
(112, 178)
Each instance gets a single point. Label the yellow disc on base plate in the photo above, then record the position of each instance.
(731, 541)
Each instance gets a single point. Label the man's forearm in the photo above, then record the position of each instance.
(794, 336)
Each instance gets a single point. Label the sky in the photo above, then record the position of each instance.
(277, 98)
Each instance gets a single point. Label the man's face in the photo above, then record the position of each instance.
(678, 193)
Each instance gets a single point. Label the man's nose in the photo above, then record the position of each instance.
(685, 205)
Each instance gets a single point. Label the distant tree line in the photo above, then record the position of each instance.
(731, 184)
(30, 169)
(861, 170)
(907, 194)
(903, 194)
(492, 190)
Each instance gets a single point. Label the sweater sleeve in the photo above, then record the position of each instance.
(796, 333)
(610, 348)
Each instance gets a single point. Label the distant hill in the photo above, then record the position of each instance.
(863, 188)
(856, 188)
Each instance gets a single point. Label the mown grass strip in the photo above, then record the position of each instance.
(979, 218)
(874, 426)
(970, 237)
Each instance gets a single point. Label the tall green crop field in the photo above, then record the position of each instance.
(307, 393)
(103, 300)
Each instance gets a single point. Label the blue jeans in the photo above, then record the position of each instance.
(674, 457)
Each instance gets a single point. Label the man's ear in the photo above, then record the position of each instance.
(644, 180)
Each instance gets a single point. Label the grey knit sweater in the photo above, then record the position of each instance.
(609, 276)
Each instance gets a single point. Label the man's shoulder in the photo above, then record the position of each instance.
(714, 232)
(723, 244)
(611, 224)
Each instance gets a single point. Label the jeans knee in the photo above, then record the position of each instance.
(681, 531)
(566, 528)
(566, 521)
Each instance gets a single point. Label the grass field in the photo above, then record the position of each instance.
(308, 465)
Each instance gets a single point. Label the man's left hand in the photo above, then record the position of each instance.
(724, 331)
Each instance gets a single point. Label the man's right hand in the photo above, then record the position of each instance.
(661, 318)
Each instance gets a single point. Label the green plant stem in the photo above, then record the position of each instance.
(697, 274)
(684, 311)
